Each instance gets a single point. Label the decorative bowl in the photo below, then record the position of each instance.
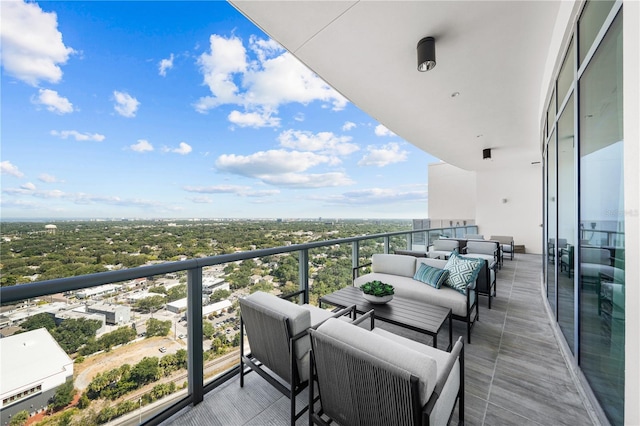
(378, 300)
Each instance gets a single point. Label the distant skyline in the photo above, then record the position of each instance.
(183, 110)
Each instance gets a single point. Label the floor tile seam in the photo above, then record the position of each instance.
(513, 412)
(495, 363)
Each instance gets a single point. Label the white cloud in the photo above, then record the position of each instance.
(183, 149)
(85, 199)
(202, 200)
(253, 119)
(324, 142)
(126, 105)
(164, 65)
(299, 117)
(299, 180)
(142, 146)
(6, 168)
(53, 101)
(383, 156)
(28, 186)
(282, 168)
(380, 130)
(271, 162)
(64, 134)
(243, 191)
(348, 125)
(32, 46)
(376, 196)
(225, 58)
(273, 78)
(217, 189)
(47, 178)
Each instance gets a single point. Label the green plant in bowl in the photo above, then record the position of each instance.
(377, 288)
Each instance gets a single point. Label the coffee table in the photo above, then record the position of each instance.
(404, 312)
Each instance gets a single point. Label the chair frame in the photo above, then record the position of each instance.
(295, 385)
(420, 414)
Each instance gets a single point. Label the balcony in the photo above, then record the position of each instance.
(515, 370)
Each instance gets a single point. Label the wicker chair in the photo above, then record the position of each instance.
(278, 339)
(376, 378)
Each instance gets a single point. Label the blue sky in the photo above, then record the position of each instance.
(183, 110)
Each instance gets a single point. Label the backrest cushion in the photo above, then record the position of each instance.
(482, 247)
(435, 277)
(394, 264)
(595, 255)
(462, 272)
(445, 245)
(417, 363)
(267, 304)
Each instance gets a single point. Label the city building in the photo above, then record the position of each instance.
(114, 314)
(33, 366)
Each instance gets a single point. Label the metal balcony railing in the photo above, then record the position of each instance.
(194, 269)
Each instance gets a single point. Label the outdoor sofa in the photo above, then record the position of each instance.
(400, 270)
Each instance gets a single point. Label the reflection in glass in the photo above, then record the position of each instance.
(593, 16)
(602, 258)
(565, 78)
(552, 247)
(566, 222)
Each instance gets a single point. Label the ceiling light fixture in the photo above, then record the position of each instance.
(426, 54)
(455, 94)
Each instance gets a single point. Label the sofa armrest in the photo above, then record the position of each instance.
(354, 271)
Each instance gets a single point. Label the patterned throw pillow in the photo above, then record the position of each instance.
(462, 272)
(429, 275)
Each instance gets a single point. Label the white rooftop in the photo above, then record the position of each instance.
(30, 358)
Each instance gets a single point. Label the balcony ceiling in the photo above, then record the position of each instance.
(492, 52)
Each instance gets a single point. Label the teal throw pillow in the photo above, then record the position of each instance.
(435, 277)
(462, 272)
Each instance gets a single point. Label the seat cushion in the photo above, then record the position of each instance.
(435, 277)
(462, 272)
(418, 363)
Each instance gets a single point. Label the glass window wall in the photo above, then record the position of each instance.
(584, 203)
(602, 272)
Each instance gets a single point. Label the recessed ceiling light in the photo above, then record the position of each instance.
(479, 136)
(455, 94)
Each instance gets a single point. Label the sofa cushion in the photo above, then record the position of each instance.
(395, 264)
(462, 272)
(412, 289)
(421, 365)
(430, 275)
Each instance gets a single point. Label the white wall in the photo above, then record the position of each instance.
(455, 193)
(452, 192)
(521, 215)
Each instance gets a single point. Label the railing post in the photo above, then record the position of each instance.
(409, 241)
(355, 256)
(194, 337)
(303, 273)
(386, 244)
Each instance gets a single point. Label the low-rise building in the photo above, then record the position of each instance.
(114, 314)
(33, 366)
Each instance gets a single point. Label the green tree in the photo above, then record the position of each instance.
(150, 304)
(64, 395)
(156, 327)
(219, 295)
(20, 418)
(38, 321)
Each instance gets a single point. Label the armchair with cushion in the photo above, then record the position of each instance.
(277, 334)
(442, 248)
(374, 377)
(506, 245)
